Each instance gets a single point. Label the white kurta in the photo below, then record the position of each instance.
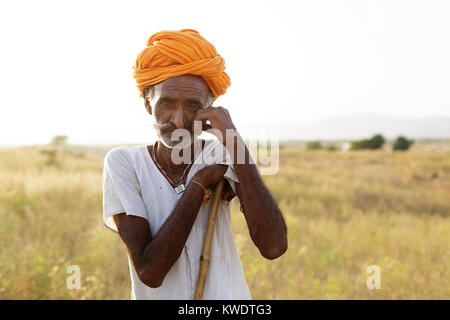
(133, 184)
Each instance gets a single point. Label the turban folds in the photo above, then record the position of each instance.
(175, 53)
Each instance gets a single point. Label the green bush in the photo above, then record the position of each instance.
(313, 145)
(331, 147)
(376, 142)
(360, 144)
(402, 144)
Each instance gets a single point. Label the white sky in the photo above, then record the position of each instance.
(66, 67)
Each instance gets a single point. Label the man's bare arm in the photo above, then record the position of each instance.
(153, 257)
(264, 219)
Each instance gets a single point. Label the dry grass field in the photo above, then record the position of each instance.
(344, 211)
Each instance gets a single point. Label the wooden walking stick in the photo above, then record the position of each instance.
(207, 242)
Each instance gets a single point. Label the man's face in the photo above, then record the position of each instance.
(174, 103)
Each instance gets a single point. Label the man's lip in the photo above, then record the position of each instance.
(191, 130)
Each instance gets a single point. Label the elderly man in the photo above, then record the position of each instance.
(160, 206)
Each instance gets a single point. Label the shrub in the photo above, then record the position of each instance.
(360, 144)
(313, 145)
(376, 142)
(402, 144)
(59, 140)
(331, 147)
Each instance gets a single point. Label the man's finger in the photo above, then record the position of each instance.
(204, 114)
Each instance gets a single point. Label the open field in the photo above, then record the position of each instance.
(344, 211)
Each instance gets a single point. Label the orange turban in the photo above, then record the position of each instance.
(175, 53)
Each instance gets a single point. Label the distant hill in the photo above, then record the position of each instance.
(356, 126)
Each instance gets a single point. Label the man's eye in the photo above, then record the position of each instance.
(193, 107)
(165, 104)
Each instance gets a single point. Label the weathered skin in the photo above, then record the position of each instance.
(180, 101)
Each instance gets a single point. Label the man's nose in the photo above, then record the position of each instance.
(178, 118)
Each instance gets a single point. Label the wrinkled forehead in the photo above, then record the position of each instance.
(186, 86)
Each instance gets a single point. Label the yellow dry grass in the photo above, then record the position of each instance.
(344, 211)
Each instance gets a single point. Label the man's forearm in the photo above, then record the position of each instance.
(265, 221)
(165, 248)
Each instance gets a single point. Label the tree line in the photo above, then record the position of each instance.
(375, 142)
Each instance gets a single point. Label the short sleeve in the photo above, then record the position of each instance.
(121, 190)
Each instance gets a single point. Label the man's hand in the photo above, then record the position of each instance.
(211, 175)
(220, 120)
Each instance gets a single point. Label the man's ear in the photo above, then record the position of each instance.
(148, 106)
